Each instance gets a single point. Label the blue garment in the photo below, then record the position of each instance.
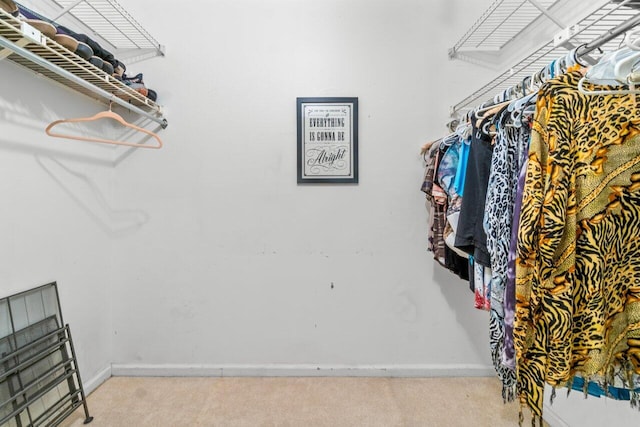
(461, 173)
(594, 389)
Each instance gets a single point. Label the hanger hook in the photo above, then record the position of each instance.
(633, 44)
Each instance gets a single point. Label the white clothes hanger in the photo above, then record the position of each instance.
(632, 90)
(632, 39)
(522, 107)
(485, 112)
(535, 82)
(616, 68)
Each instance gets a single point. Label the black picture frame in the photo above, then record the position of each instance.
(327, 140)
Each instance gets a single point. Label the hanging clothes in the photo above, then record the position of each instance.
(497, 224)
(436, 202)
(481, 285)
(446, 176)
(461, 173)
(509, 356)
(577, 275)
(470, 236)
(516, 182)
(439, 201)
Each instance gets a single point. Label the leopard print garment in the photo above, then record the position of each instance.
(497, 223)
(578, 252)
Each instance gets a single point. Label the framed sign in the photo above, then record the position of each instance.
(327, 140)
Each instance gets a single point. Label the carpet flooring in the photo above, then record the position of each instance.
(298, 402)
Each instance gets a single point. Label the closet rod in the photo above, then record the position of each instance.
(75, 79)
(608, 36)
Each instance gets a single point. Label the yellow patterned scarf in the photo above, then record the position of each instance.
(578, 254)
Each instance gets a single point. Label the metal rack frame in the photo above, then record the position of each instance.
(46, 57)
(40, 382)
(602, 30)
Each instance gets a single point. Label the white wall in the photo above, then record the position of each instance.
(56, 219)
(236, 265)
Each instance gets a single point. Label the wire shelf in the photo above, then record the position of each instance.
(595, 25)
(499, 24)
(56, 62)
(112, 22)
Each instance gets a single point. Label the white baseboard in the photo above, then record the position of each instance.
(98, 379)
(402, 371)
(552, 418)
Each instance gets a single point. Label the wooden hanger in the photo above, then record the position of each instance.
(104, 115)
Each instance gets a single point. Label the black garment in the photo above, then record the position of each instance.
(456, 264)
(470, 236)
